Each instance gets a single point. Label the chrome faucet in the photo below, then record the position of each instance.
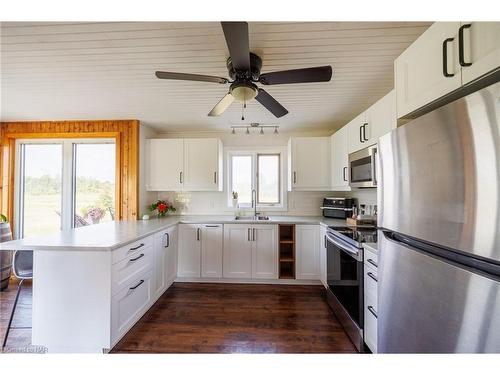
(254, 203)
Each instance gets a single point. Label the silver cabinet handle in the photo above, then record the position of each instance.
(372, 276)
(212, 226)
(137, 286)
(197, 234)
(369, 260)
(325, 241)
(137, 258)
(215, 177)
(135, 248)
(360, 132)
(372, 310)
(254, 234)
(180, 177)
(167, 236)
(344, 170)
(248, 234)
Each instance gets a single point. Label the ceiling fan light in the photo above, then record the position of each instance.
(243, 92)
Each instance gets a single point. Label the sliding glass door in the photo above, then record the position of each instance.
(62, 184)
(40, 193)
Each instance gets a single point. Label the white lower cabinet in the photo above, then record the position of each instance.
(165, 257)
(211, 250)
(189, 250)
(322, 256)
(250, 251)
(128, 305)
(307, 250)
(370, 298)
(264, 251)
(237, 251)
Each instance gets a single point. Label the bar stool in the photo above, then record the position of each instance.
(22, 266)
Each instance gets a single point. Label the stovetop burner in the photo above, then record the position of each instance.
(355, 235)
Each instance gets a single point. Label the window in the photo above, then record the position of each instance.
(257, 171)
(63, 184)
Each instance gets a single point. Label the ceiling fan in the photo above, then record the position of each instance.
(244, 70)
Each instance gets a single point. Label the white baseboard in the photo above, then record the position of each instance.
(247, 281)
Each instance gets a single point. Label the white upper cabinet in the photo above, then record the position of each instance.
(184, 165)
(307, 252)
(429, 68)
(237, 259)
(340, 155)
(189, 250)
(264, 251)
(309, 163)
(211, 250)
(380, 119)
(355, 130)
(202, 164)
(445, 57)
(164, 164)
(481, 49)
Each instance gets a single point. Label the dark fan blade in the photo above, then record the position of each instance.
(236, 34)
(270, 103)
(223, 104)
(317, 74)
(190, 77)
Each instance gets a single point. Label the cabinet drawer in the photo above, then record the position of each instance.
(130, 268)
(371, 285)
(370, 257)
(129, 305)
(132, 248)
(370, 330)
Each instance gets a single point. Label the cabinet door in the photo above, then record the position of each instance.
(307, 252)
(130, 304)
(419, 75)
(310, 167)
(380, 118)
(237, 251)
(202, 162)
(170, 238)
(164, 164)
(265, 251)
(160, 265)
(211, 250)
(340, 155)
(189, 252)
(322, 256)
(356, 136)
(481, 49)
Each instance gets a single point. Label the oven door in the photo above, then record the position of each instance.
(362, 168)
(345, 276)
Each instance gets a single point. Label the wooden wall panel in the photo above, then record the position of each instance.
(125, 133)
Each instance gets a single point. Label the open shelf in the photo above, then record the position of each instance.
(286, 251)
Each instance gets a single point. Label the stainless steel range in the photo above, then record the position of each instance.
(345, 276)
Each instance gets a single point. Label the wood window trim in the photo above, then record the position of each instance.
(124, 132)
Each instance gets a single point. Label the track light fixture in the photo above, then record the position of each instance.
(254, 125)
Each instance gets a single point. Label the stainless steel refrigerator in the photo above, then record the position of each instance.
(439, 199)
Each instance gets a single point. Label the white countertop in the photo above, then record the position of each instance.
(112, 235)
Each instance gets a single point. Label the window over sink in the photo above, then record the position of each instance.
(259, 170)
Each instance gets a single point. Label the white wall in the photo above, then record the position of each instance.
(145, 197)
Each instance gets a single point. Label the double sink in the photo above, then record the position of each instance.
(251, 218)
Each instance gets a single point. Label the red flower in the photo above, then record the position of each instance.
(162, 207)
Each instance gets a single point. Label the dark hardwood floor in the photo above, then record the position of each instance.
(214, 318)
(238, 318)
(20, 332)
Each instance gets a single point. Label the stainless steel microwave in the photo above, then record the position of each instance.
(362, 168)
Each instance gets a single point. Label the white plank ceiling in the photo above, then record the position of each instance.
(106, 70)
